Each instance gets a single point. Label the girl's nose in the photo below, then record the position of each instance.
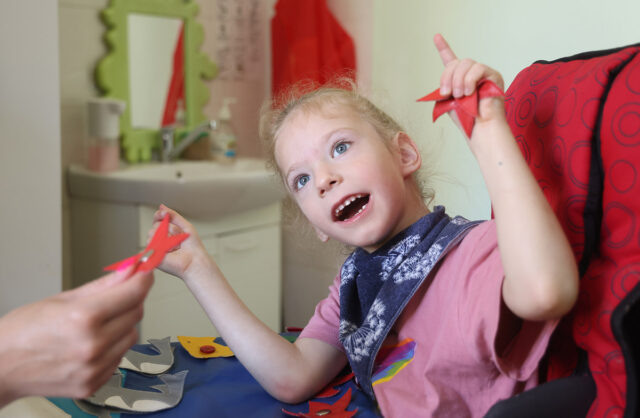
(326, 181)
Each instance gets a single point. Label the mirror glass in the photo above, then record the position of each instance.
(156, 76)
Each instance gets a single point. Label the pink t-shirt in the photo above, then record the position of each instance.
(440, 358)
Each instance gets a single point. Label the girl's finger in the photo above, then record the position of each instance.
(458, 78)
(174, 229)
(473, 76)
(446, 54)
(159, 214)
(446, 78)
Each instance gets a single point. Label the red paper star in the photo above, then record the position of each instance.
(465, 107)
(159, 245)
(318, 409)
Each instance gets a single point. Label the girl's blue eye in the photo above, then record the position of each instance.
(300, 182)
(340, 148)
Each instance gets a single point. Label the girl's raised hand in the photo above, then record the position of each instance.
(461, 77)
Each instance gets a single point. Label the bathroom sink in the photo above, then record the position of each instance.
(199, 189)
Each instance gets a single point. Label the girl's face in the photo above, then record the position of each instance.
(349, 184)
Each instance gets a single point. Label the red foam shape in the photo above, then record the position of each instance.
(335, 410)
(159, 245)
(466, 107)
(329, 390)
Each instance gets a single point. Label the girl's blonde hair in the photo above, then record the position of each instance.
(308, 96)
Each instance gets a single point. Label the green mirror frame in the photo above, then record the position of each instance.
(112, 72)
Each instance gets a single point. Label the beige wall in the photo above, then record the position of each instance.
(30, 251)
(506, 34)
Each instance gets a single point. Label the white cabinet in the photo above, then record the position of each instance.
(246, 246)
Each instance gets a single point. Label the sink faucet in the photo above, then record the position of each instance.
(167, 133)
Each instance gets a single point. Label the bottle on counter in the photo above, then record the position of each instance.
(223, 137)
(103, 145)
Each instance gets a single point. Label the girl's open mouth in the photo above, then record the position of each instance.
(351, 207)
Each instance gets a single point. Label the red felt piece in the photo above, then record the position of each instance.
(159, 245)
(466, 107)
(329, 390)
(335, 410)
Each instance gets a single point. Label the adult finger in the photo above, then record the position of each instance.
(118, 327)
(118, 335)
(445, 51)
(110, 361)
(121, 298)
(100, 284)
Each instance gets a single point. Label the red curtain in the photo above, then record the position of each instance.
(308, 43)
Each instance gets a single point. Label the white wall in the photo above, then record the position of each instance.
(30, 208)
(505, 34)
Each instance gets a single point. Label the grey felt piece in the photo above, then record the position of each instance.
(148, 363)
(168, 395)
(98, 411)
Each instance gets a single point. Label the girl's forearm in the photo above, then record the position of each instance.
(541, 278)
(279, 366)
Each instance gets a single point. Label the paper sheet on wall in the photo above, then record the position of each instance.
(240, 32)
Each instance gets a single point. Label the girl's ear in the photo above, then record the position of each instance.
(321, 235)
(410, 157)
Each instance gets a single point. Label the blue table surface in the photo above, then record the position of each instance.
(222, 387)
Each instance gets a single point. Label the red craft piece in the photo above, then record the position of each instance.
(207, 349)
(465, 107)
(329, 390)
(319, 409)
(158, 247)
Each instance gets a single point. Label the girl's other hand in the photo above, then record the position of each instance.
(461, 77)
(181, 258)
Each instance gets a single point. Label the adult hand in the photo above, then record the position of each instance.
(70, 343)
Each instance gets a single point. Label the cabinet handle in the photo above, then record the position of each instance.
(241, 245)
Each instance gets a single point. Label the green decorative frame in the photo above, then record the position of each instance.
(112, 72)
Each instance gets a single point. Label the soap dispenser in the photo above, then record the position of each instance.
(223, 137)
(103, 133)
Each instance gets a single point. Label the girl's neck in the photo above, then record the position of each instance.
(415, 210)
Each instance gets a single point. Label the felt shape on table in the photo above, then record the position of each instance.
(167, 395)
(336, 410)
(466, 107)
(148, 363)
(155, 251)
(330, 390)
(200, 347)
(91, 409)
